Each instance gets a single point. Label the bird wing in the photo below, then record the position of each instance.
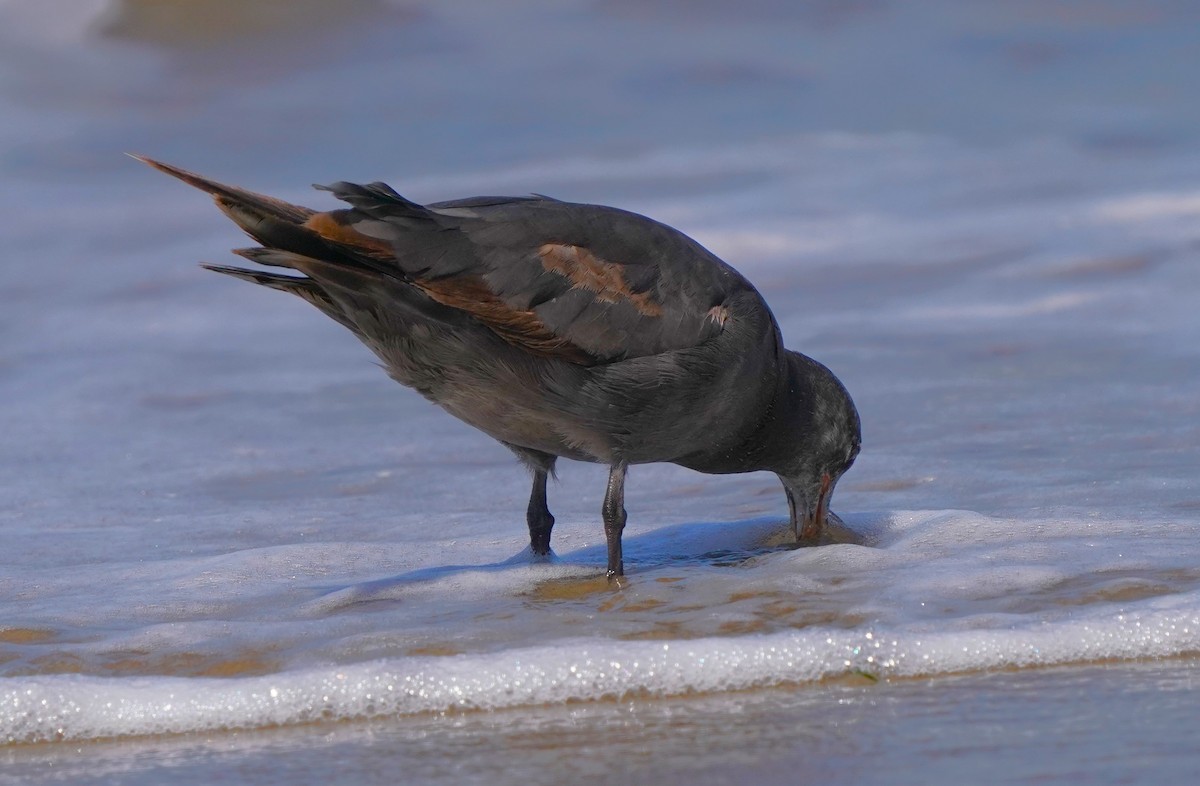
(581, 283)
(585, 283)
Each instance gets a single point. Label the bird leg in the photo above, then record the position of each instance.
(614, 519)
(538, 515)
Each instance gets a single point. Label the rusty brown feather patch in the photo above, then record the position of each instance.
(471, 294)
(335, 226)
(587, 271)
(516, 326)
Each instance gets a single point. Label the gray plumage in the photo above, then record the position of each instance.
(562, 329)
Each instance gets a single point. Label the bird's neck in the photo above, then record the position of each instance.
(791, 415)
(765, 443)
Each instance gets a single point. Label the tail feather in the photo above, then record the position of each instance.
(378, 200)
(273, 280)
(303, 287)
(336, 259)
(271, 257)
(318, 272)
(284, 227)
(276, 231)
(260, 202)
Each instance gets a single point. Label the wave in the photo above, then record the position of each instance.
(73, 707)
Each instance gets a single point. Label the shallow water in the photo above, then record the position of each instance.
(219, 517)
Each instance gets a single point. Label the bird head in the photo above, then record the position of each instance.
(825, 439)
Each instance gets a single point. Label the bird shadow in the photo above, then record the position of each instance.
(713, 544)
(392, 588)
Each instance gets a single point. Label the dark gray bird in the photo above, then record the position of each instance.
(563, 329)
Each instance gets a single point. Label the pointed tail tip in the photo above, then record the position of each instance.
(174, 171)
(148, 161)
(192, 179)
(231, 197)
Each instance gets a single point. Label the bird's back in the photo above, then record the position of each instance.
(575, 330)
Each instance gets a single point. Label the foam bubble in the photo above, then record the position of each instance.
(75, 707)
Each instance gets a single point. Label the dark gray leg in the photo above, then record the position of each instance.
(614, 519)
(538, 515)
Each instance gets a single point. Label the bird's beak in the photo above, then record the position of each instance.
(813, 523)
(809, 516)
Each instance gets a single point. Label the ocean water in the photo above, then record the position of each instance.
(231, 547)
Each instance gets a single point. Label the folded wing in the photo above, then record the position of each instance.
(581, 283)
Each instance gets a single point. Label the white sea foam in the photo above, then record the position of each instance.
(939, 592)
(74, 707)
(1143, 207)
